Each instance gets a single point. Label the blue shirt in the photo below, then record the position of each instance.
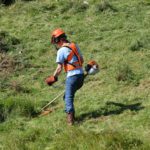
(62, 55)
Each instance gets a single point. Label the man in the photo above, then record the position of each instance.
(69, 56)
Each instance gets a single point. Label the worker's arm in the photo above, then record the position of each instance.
(52, 79)
(58, 70)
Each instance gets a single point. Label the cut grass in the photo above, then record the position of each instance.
(112, 107)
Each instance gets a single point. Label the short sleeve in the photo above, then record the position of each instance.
(62, 55)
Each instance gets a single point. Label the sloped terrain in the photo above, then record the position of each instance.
(112, 108)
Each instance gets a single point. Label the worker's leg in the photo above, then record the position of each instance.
(73, 83)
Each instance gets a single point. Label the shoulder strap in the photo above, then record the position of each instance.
(74, 51)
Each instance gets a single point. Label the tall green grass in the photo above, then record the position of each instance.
(112, 108)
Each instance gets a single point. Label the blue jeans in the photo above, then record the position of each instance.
(73, 84)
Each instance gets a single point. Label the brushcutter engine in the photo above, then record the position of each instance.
(92, 67)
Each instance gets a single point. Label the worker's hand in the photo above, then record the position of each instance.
(51, 80)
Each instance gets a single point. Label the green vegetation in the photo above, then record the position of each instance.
(112, 108)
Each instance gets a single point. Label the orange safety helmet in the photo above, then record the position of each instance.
(55, 34)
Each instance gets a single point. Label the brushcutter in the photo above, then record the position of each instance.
(90, 69)
(52, 101)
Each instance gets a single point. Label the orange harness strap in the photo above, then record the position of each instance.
(72, 66)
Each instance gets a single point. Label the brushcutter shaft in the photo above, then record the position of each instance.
(52, 100)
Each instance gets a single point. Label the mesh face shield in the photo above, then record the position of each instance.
(55, 40)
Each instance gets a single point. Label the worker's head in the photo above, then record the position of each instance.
(58, 37)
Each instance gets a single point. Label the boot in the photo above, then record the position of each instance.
(70, 119)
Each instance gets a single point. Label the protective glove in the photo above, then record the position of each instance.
(51, 80)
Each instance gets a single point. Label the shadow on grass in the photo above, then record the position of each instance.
(111, 108)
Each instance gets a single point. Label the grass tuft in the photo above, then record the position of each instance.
(7, 2)
(103, 6)
(136, 45)
(7, 42)
(141, 43)
(125, 73)
(22, 107)
(79, 6)
(2, 113)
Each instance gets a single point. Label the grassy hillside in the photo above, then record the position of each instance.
(112, 108)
